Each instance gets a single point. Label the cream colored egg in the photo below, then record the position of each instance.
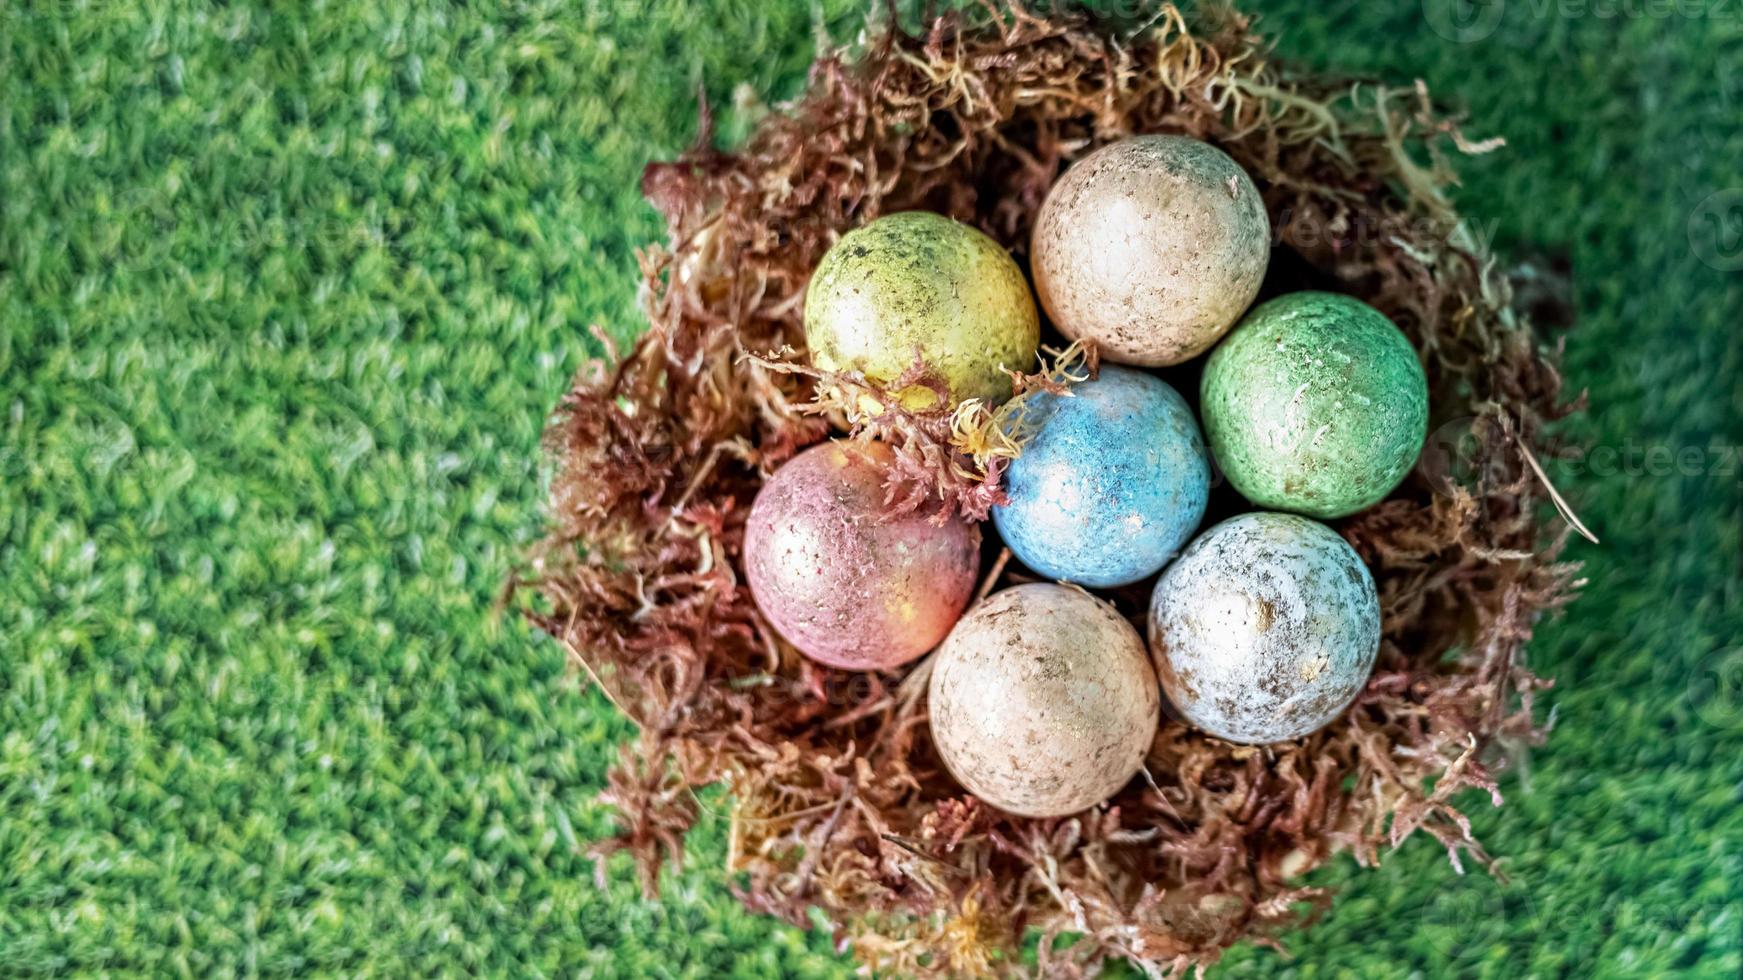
(1152, 247)
(1043, 700)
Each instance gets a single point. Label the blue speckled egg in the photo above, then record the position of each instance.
(1113, 481)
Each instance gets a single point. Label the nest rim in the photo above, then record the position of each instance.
(838, 800)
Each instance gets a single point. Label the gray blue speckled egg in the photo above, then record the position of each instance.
(1112, 482)
(1265, 628)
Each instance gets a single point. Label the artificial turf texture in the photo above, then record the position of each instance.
(288, 290)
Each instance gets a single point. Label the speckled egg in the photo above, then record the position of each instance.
(1315, 404)
(1043, 701)
(1111, 483)
(1265, 628)
(1152, 247)
(918, 283)
(844, 582)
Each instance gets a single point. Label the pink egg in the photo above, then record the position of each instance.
(846, 584)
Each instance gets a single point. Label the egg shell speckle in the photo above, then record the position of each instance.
(842, 581)
(915, 281)
(1315, 403)
(1265, 628)
(1113, 481)
(1043, 701)
(1152, 247)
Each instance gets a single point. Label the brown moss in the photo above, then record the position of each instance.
(840, 802)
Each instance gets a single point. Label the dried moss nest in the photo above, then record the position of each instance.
(838, 800)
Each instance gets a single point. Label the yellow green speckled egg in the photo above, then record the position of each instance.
(919, 284)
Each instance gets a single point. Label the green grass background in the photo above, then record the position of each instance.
(287, 290)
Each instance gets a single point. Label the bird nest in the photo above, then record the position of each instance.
(838, 801)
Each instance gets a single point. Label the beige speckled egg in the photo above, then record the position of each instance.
(1043, 700)
(1152, 247)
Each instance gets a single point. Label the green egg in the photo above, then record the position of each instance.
(1315, 403)
(918, 283)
